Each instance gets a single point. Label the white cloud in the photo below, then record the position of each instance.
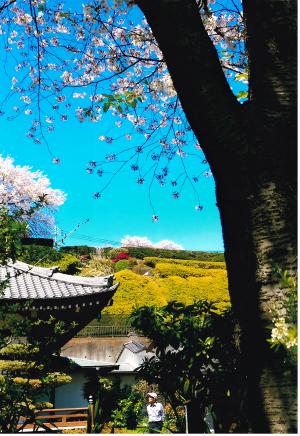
(168, 245)
(143, 241)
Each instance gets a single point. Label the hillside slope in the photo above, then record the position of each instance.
(171, 279)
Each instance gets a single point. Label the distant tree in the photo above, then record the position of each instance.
(142, 241)
(28, 191)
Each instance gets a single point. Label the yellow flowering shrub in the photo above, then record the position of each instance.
(15, 365)
(136, 290)
(33, 382)
(168, 269)
(191, 263)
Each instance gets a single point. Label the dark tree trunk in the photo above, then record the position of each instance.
(195, 417)
(251, 149)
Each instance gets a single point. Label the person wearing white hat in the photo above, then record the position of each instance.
(156, 414)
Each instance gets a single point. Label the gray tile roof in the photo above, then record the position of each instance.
(135, 347)
(30, 282)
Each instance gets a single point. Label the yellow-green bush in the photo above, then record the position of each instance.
(190, 263)
(68, 264)
(136, 290)
(170, 269)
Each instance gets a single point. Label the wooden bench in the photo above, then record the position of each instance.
(75, 417)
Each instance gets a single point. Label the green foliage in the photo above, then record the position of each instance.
(38, 254)
(153, 261)
(79, 250)
(129, 411)
(47, 257)
(195, 355)
(142, 252)
(28, 369)
(99, 414)
(121, 406)
(69, 264)
(121, 102)
(11, 232)
(121, 264)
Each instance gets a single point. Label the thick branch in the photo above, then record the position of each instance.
(193, 63)
(6, 5)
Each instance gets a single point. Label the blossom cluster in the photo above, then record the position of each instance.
(283, 333)
(102, 60)
(284, 311)
(21, 189)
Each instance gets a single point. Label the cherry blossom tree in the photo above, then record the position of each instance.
(29, 194)
(143, 241)
(171, 78)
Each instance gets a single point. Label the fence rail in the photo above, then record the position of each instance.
(97, 331)
(59, 419)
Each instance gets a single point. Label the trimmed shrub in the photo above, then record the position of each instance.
(121, 264)
(79, 250)
(142, 252)
(33, 254)
(169, 269)
(68, 264)
(136, 290)
(152, 261)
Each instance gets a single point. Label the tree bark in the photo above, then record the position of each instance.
(252, 151)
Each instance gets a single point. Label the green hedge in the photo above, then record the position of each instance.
(33, 254)
(152, 261)
(121, 264)
(47, 256)
(79, 250)
(169, 269)
(142, 252)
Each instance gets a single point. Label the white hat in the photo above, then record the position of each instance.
(152, 395)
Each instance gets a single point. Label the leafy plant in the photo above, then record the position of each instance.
(37, 254)
(195, 357)
(121, 264)
(28, 369)
(129, 411)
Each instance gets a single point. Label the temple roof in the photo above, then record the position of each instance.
(37, 283)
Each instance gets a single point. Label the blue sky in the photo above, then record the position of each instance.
(124, 207)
